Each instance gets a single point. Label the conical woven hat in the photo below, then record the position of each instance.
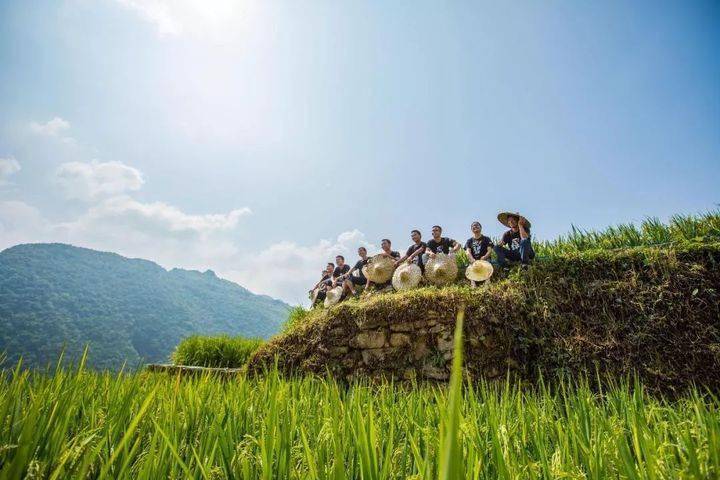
(503, 218)
(479, 271)
(380, 269)
(441, 270)
(333, 296)
(406, 276)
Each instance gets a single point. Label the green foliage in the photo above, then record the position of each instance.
(55, 297)
(651, 232)
(220, 351)
(149, 426)
(298, 316)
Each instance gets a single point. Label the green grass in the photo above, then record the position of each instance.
(651, 232)
(219, 351)
(80, 424)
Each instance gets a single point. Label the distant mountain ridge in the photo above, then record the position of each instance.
(127, 310)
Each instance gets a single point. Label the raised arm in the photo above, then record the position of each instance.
(523, 233)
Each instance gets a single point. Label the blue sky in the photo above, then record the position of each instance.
(259, 138)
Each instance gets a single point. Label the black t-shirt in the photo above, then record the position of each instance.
(414, 248)
(359, 266)
(513, 239)
(443, 246)
(478, 246)
(394, 254)
(341, 271)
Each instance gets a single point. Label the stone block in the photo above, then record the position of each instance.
(402, 327)
(370, 339)
(399, 339)
(438, 328)
(445, 342)
(373, 356)
(338, 351)
(435, 373)
(420, 348)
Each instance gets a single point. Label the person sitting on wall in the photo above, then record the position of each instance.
(517, 238)
(340, 272)
(439, 244)
(355, 277)
(415, 251)
(388, 252)
(478, 247)
(317, 294)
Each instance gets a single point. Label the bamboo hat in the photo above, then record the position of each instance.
(441, 270)
(503, 218)
(333, 296)
(380, 269)
(479, 271)
(406, 276)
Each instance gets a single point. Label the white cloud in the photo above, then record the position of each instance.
(8, 166)
(54, 128)
(87, 181)
(287, 270)
(216, 20)
(126, 214)
(20, 223)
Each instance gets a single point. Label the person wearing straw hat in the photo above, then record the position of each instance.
(478, 247)
(517, 239)
(439, 244)
(415, 251)
(389, 253)
(317, 294)
(356, 277)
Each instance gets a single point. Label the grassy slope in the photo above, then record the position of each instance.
(647, 309)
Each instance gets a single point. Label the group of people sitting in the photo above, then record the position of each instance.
(343, 280)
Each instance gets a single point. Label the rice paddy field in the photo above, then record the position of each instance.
(81, 424)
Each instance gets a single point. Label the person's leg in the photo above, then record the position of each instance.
(501, 253)
(526, 251)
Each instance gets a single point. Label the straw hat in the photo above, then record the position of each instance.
(441, 270)
(380, 269)
(333, 296)
(503, 218)
(406, 276)
(479, 271)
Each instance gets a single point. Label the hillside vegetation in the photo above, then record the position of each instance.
(630, 300)
(127, 310)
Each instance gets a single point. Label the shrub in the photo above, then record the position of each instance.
(297, 316)
(218, 351)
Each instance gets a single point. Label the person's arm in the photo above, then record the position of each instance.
(455, 246)
(523, 233)
(417, 252)
(489, 251)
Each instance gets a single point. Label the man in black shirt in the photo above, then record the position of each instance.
(414, 251)
(386, 252)
(517, 238)
(478, 247)
(340, 272)
(317, 294)
(351, 281)
(439, 244)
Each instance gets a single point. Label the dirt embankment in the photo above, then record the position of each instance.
(654, 312)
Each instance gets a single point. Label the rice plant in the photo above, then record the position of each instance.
(651, 232)
(81, 424)
(219, 351)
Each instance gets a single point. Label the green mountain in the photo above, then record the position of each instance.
(55, 296)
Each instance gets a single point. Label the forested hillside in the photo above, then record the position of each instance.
(55, 295)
